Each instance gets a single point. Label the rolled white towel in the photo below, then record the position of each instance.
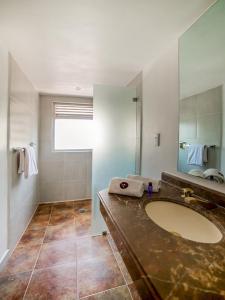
(128, 187)
(146, 180)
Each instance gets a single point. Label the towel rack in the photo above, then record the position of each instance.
(32, 144)
(184, 145)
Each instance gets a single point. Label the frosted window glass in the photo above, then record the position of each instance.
(73, 134)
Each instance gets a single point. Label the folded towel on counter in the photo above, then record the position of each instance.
(30, 164)
(197, 154)
(196, 172)
(125, 186)
(21, 159)
(146, 180)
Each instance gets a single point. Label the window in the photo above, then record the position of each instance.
(73, 123)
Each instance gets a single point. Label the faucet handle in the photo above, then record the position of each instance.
(187, 192)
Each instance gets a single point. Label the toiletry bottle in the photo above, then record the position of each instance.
(150, 189)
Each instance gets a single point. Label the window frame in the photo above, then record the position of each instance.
(53, 133)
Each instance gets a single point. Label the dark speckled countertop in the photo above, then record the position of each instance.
(177, 268)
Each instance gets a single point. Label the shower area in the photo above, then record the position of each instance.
(117, 143)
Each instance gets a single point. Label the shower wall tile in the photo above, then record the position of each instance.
(76, 156)
(210, 102)
(63, 175)
(188, 129)
(51, 171)
(46, 153)
(74, 170)
(188, 108)
(209, 129)
(51, 191)
(89, 173)
(201, 118)
(73, 190)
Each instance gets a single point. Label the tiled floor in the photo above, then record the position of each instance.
(57, 258)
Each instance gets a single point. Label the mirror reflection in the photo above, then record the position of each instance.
(202, 109)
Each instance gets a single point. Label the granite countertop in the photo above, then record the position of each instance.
(177, 268)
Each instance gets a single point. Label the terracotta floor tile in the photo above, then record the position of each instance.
(44, 205)
(62, 217)
(21, 260)
(92, 247)
(84, 204)
(83, 217)
(97, 275)
(57, 211)
(39, 221)
(67, 242)
(32, 237)
(13, 287)
(56, 253)
(83, 224)
(43, 209)
(63, 206)
(119, 293)
(83, 228)
(60, 232)
(57, 283)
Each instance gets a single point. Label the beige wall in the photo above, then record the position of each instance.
(160, 114)
(23, 193)
(63, 175)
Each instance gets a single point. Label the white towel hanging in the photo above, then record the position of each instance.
(30, 164)
(197, 155)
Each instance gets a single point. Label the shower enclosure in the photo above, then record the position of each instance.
(117, 132)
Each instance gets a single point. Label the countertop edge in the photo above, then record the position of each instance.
(146, 277)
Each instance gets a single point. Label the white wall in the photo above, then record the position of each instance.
(160, 114)
(23, 117)
(63, 175)
(3, 152)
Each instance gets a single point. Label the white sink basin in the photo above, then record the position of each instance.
(183, 221)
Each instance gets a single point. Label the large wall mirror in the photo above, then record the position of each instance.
(202, 96)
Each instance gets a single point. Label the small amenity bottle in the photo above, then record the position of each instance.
(150, 189)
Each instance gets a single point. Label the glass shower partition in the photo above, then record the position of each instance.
(115, 119)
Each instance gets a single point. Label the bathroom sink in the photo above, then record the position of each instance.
(183, 221)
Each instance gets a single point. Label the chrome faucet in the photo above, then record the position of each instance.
(187, 194)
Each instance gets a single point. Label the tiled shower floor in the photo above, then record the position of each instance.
(58, 259)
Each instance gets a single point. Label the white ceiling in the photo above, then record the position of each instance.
(65, 44)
